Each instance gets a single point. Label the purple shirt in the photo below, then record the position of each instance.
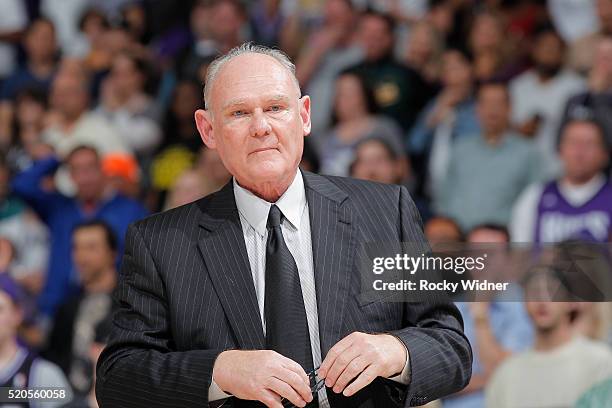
(557, 220)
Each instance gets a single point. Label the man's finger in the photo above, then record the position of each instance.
(340, 364)
(283, 389)
(333, 353)
(296, 368)
(271, 400)
(297, 383)
(365, 378)
(352, 370)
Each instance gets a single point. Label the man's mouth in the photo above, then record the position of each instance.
(263, 149)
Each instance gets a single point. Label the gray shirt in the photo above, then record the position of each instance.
(484, 180)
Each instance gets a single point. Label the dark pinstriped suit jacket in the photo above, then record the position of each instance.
(186, 294)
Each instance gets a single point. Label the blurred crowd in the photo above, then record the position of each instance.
(496, 114)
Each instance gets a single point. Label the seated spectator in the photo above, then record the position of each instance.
(487, 173)
(20, 367)
(596, 102)
(26, 133)
(496, 329)
(399, 92)
(539, 94)
(126, 106)
(442, 230)
(328, 51)
(94, 247)
(559, 367)
(28, 237)
(216, 26)
(492, 59)
(355, 120)
(88, 41)
(40, 46)
(424, 50)
(578, 205)
(450, 116)
(74, 123)
(93, 200)
(376, 160)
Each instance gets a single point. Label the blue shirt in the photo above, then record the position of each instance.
(466, 123)
(21, 79)
(511, 327)
(62, 214)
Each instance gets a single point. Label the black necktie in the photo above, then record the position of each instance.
(286, 324)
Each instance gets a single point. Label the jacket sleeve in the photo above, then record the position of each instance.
(27, 186)
(440, 355)
(140, 366)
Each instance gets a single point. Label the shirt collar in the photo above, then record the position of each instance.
(255, 210)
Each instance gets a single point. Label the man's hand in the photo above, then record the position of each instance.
(362, 357)
(262, 375)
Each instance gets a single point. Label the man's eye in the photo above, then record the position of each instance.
(275, 108)
(238, 113)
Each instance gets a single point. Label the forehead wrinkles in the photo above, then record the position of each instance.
(252, 74)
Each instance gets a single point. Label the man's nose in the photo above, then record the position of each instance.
(259, 124)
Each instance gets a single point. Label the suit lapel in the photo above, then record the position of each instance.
(225, 255)
(333, 247)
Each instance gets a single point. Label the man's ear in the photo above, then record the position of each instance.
(305, 114)
(203, 119)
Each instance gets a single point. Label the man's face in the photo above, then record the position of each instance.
(456, 70)
(126, 77)
(40, 41)
(493, 108)
(350, 99)
(548, 53)
(582, 151)
(547, 316)
(69, 96)
(86, 173)
(91, 253)
(375, 37)
(256, 121)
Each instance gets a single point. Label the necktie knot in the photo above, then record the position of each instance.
(274, 217)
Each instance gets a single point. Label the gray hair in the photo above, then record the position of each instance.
(246, 48)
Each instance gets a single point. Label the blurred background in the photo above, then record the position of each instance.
(496, 114)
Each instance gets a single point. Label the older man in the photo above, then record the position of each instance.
(240, 294)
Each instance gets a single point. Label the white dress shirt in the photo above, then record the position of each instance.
(296, 232)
